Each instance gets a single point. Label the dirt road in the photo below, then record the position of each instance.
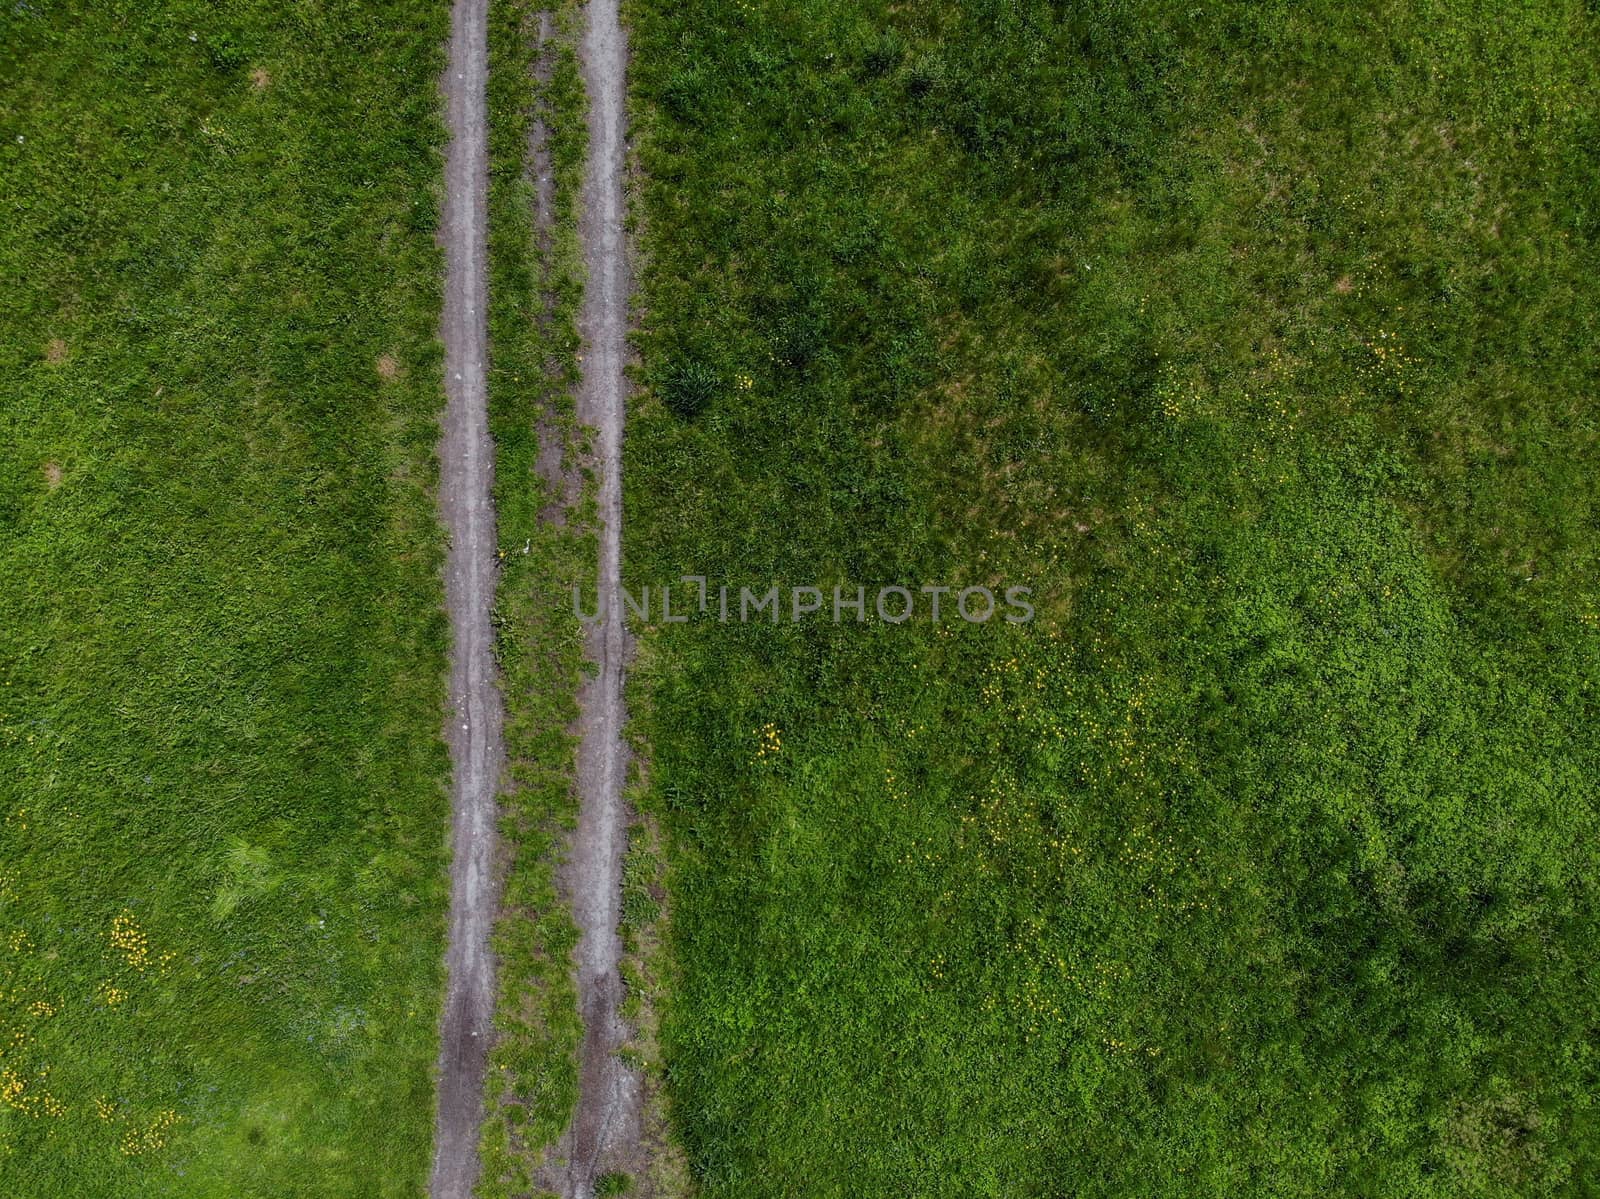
(605, 1130)
(466, 472)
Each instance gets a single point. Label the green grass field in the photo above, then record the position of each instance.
(1260, 340)
(221, 640)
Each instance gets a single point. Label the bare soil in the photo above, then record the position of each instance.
(605, 1133)
(466, 470)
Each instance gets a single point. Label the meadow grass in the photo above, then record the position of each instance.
(1260, 340)
(222, 642)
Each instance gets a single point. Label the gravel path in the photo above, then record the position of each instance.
(466, 472)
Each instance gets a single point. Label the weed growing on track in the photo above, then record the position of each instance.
(222, 649)
(535, 291)
(1261, 341)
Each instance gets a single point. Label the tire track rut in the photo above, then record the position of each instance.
(466, 478)
(605, 1133)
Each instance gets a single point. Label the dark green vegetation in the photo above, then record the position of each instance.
(1260, 339)
(221, 643)
(535, 289)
